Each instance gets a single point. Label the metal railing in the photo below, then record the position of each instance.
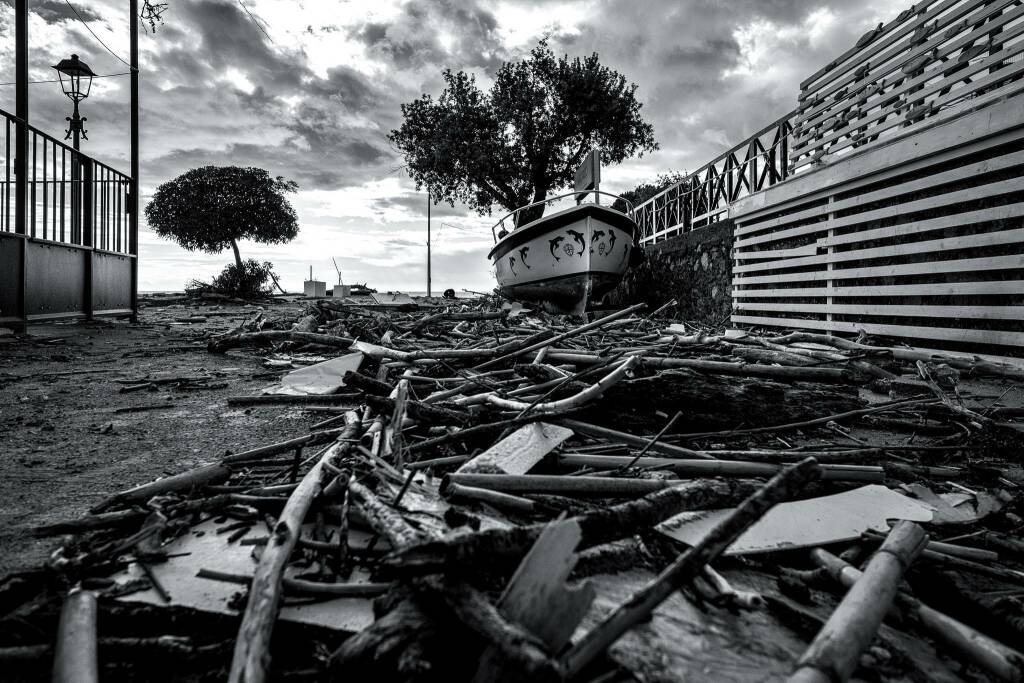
(703, 196)
(499, 227)
(71, 198)
(935, 61)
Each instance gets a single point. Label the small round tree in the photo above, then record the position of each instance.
(212, 207)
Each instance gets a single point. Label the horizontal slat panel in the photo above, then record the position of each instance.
(955, 139)
(930, 289)
(793, 252)
(937, 41)
(890, 34)
(949, 99)
(916, 311)
(957, 67)
(995, 213)
(931, 267)
(913, 331)
(999, 163)
(926, 204)
(986, 239)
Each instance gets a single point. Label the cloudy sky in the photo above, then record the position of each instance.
(310, 89)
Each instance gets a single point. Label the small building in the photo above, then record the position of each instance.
(341, 290)
(314, 288)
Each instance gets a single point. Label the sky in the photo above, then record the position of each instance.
(310, 89)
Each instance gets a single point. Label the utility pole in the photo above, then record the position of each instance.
(133, 188)
(21, 111)
(21, 152)
(428, 243)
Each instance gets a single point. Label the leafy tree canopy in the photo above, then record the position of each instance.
(212, 207)
(644, 191)
(524, 137)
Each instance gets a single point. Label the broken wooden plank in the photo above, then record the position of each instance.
(518, 452)
(834, 653)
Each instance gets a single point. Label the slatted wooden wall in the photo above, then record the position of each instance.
(935, 58)
(903, 215)
(928, 248)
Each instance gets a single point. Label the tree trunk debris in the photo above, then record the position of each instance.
(487, 476)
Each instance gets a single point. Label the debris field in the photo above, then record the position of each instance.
(488, 493)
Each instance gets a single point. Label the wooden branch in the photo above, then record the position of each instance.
(519, 647)
(186, 481)
(281, 447)
(633, 440)
(565, 335)
(251, 659)
(720, 468)
(293, 399)
(589, 394)
(502, 501)
(304, 587)
(75, 660)
(714, 367)
(382, 519)
(418, 410)
(366, 384)
(991, 655)
(559, 485)
(877, 408)
(91, 522)
(834, 653)
(474, 432)
(973, 363)
(465, 551)
(459, 315)
(222, 344)
(639, 607)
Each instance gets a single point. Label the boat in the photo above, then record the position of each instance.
(568, 259)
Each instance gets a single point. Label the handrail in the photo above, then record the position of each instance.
(732, 150)
(69, 197)
(576, 193)
(60, 144)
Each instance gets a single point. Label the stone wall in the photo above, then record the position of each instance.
(694, 269)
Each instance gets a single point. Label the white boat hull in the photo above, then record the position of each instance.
(564, 261)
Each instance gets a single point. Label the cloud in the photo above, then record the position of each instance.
(435, 33)
(55, 11)
(315, 101)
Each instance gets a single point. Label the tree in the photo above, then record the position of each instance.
(212, 207)
(644, 191)
(524, 137)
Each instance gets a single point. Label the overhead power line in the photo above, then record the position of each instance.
(254, 20)
(57, 80)
(86, 25)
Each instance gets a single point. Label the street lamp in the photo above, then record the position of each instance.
(76, 81)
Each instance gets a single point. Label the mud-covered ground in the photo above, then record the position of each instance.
(69, 436)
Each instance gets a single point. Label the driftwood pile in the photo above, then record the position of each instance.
(545, 451)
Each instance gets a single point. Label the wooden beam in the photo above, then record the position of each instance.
(914, 311)
(936, 201)
(985, 239)
(973, 103)
(995, 337)
(929, 289)
(1012, 262)
(999, 163)
(895, 30)
(905, 52)
(898, 158)
(1005, 212)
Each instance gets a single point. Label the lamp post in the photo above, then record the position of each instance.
(76, 81)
